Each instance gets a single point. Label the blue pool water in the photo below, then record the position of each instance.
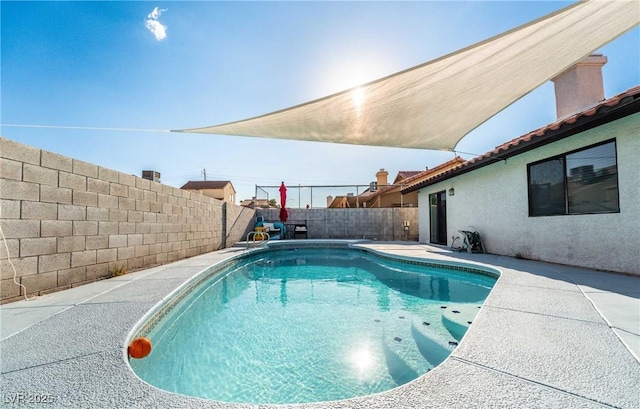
(308, 325)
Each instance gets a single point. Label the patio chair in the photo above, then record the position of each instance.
(300, 230)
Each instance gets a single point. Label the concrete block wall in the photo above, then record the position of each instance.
(67, 222)
(384, 224)
(240, 221)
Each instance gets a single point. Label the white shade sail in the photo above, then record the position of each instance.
(434, 105)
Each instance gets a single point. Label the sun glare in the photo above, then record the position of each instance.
(362, 359)
(341, 75)
(357, 95)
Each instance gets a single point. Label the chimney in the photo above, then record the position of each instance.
(381, 177)
(580, 87)
(329, 200)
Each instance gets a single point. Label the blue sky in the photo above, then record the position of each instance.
(98, 65)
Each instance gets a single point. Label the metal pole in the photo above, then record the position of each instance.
(223, 243)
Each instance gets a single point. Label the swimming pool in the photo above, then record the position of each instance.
(308, 325)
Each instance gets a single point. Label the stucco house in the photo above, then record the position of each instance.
(384, 194)
(217, 189)
(566, 193)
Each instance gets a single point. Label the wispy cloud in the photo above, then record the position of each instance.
(158, 29)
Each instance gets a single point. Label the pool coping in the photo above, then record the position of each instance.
(577, 349)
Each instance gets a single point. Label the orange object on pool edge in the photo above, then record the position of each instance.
(139, 348)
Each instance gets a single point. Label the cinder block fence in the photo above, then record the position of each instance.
(386, 224)
(67, 222)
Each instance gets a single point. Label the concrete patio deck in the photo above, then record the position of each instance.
(548, 336)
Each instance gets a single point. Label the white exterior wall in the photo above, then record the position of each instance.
(494, 201)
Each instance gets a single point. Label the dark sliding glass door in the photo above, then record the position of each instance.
(438, 218)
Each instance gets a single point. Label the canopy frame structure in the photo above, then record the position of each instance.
(435, 104)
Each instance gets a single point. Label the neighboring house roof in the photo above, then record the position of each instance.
(381, 190)
(206, 184)
(349, 200)
(338, 201)
(405, 174)
(255, 203)
(361, 198)
(619, 106)
(414, 178)
(417, 177)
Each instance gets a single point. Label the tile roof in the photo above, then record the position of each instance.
(205, 184)
(416, 176)
(619, 106)
(405, 174)
(431, 173)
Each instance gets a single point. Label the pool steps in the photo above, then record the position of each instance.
(430, 346)
(409, 351)
(458, 318)
(399, 370)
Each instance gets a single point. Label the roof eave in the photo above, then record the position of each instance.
(628, 106)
